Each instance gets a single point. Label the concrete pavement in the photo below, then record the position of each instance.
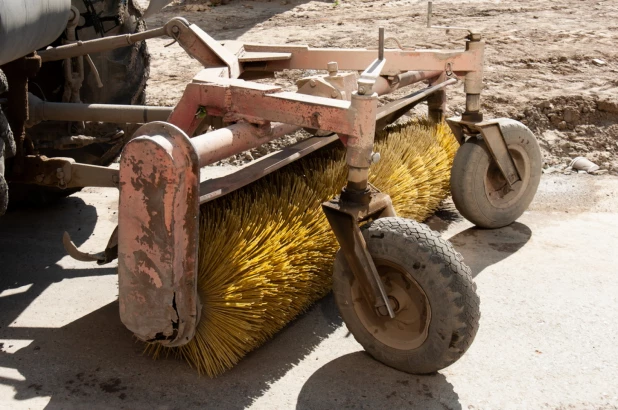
(547, 338)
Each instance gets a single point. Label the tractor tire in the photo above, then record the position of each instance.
(7, 148)
(431, 291)
(123, 71)
(478, 187)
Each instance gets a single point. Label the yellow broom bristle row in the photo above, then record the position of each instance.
(267, 250)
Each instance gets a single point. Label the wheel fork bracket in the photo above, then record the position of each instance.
(494, 140)
(344, 217)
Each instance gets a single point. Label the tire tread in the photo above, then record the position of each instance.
(455, 281)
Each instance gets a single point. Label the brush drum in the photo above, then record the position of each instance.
(267, 251)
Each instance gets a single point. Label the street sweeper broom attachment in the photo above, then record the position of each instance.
(267, 250)
(212, 283)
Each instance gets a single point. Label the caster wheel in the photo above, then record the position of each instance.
(431, 291)
(479, 190)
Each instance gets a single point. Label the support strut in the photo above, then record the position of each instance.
(358, 200)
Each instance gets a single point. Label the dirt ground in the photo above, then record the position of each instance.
(551, 64)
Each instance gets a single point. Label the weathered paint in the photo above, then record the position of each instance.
(159, 172)
(157, 235)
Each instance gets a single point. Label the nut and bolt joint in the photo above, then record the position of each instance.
(475, 37)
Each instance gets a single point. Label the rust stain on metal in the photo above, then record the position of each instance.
(315, 120)
(145, 265)
(157, 261)
(159, 173)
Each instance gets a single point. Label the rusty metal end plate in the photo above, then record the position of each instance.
(158, 224)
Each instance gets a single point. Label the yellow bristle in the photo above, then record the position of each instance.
(267, 250)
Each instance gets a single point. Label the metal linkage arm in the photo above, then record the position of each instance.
(198, 44)
(389, 112)
(368, 78)
(65, 173)
(98, 45)
(39, 110)
(237, 100)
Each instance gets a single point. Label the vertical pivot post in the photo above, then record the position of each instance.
(381, 43)
(359, 152)
(360, 201)
(473, 83)
(436, 104)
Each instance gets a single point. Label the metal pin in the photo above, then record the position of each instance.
(381, 44)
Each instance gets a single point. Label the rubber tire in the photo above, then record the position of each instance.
(468, 178)
(123, 71)
(7, 148)
(442, 275)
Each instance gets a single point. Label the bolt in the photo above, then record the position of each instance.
(394, 303)
(361, 90)
(332, 68)
(375, 157)
(312, 83)
(39, 178)
(334, 94)
(175, 30)
(382, 310)
(475, 36)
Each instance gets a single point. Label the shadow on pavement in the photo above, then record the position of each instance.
(443, 218)
(31, 246)
(484, 247)
(94, 361)
(357, 381)
(480, 247)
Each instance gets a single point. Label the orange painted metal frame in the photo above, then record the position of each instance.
(159, 171)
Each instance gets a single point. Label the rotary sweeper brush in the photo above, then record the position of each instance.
(290, 263)
(209, 269)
